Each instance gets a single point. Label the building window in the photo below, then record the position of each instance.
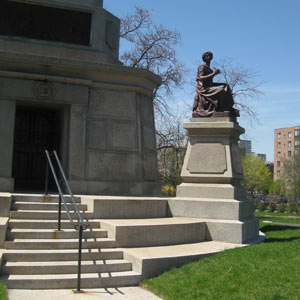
(289, 134)
(278, 145)
(289, 153)
(54, 24)
(296, 151)
(278, 173)
(278, 154)
(278, 135)
(297, 132)
(278, 163)
(289, 144)
(297, 143)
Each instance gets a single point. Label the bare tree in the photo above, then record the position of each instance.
(136, 22)
(171, 147)
(243, 83)
(153, 48)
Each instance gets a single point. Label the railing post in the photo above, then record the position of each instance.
(81, 225)
(79, 257)
(59, 213)
(47, 177)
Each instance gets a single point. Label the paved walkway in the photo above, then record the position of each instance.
(282, 224)
(124, 293)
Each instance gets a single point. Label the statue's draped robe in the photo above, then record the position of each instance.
(211, 97)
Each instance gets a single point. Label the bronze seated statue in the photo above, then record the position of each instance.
(212, 98)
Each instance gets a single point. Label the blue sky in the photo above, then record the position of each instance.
(260, 35)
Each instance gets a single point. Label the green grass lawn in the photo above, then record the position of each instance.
(3, 295)
(268, 271)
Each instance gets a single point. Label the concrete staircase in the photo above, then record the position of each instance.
(129, 239)
(37, 256)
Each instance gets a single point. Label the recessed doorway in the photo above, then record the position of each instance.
(36, 129)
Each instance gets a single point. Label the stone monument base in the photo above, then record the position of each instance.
(230, 221)
(212, 173)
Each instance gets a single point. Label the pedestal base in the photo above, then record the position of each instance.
(212, 173)
(211, 190)
(226, 220)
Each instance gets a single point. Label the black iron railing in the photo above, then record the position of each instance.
(78, 222)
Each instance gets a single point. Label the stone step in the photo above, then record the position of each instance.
(41, 198)
(46, 224)
(151, 261)
(154, 232)
(49, 215)
(59, 244)
(45, 206)
(126, 207)
(61, 255)
(53, 234)
(69, 281)
(65, 267)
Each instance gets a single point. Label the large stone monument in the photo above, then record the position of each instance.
(62, 87)
(212, 170)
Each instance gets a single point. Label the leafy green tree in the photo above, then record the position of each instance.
(257, 176)
(277, 187)
(291, 176)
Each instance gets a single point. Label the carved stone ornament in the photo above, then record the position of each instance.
(44, 90)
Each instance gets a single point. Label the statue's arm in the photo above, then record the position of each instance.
(202, 77)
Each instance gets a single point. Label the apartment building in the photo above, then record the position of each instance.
(286, 143)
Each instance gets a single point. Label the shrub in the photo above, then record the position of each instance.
(282, 207)
(293, 207)
(168, 190)
(172, 178)
(272, 206)
(262, 206)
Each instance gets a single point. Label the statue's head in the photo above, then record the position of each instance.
(207, 54)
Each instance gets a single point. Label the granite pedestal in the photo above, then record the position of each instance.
(212, 174)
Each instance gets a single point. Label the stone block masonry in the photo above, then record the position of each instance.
(100, 113)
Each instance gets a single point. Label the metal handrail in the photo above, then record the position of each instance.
(80, 225)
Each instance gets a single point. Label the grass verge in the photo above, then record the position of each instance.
(3, 295)
(277, 214)
(268, 271)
